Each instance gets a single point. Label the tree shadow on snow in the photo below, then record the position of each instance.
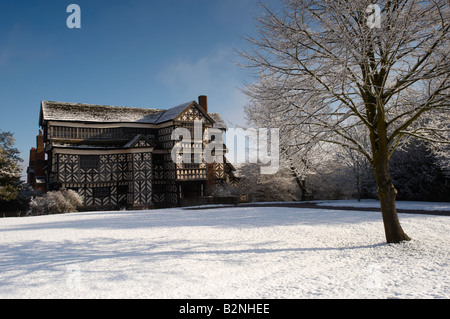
(251, 217)
(108, 255)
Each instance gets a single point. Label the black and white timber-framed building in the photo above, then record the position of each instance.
(117, 157)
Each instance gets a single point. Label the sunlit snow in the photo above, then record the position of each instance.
(227, 252)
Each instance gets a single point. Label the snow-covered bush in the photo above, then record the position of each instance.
(56, 202)
(277, 187)
(225, 190)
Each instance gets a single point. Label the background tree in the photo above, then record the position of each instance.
(321, 171)
(280, 186)
(333, 65)
(10, 169)
(417, 172)
(298, 160)
(359, 166)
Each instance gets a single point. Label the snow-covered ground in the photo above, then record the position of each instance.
(409, 205)
(371, 203)
(243, 252)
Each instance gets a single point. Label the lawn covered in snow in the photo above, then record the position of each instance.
(227, 252)
(372, 203)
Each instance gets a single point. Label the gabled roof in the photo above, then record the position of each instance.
(184, 108)
(78, 112)
(139, 141)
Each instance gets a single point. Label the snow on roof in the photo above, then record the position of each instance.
(219, 122)
(78, 112)
(63, 111)
(87, 145)
(172, 113)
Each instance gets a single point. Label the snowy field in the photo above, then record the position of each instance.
(245, 252)
(409, 205)
(369, 203)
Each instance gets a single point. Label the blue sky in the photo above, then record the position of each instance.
(154, 53)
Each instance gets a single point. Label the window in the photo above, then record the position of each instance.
(89, 161)
(101, 192)
(122, 190)
(99, 133)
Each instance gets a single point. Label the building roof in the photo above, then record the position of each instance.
(140, 141)
(172, 113)
(63, 111)
(218, 121)
(79, 112)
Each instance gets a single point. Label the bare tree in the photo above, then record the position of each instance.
(9, 168)
(357, 163)
(300, 159)
(332, 65)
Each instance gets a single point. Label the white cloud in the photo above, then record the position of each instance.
(214, 75)
(204, 72)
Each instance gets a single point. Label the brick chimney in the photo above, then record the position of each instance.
(37, 164)
(40, 148)
(203, 102)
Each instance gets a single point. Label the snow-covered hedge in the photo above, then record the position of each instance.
(56, 202)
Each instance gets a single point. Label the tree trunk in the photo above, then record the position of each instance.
(358, 188)
(387, 194)
(301, 182)
(302, 185)
(385, 188)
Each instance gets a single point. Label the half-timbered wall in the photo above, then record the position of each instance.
(142, 178)
(193, 114)
(117, 179)
(165, 170)
(197, 169)
(164, 180)
(75, 169)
